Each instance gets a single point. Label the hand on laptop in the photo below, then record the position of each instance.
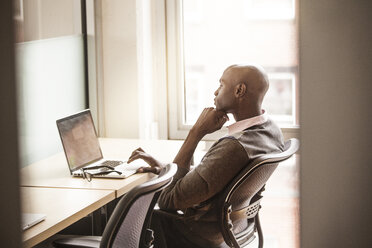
(155, 165)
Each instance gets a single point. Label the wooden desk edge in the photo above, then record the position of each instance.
(66, 222)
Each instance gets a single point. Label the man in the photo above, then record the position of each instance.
(241, 92)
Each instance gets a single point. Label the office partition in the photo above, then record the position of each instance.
(51, 71)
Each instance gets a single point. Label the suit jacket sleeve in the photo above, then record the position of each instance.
(220, 164)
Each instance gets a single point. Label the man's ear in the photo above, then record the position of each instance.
(240, 90)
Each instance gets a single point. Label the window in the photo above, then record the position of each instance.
(205, 37)
(269, 9)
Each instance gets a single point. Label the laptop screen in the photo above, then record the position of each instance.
(79, 139)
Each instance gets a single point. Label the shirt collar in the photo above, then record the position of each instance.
(247, 123)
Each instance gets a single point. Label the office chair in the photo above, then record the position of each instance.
(239, 202)
(129, 222)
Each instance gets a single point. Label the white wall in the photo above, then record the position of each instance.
(336, 160)
(134, 74)
(120, 68)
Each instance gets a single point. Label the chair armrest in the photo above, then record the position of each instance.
(78, 241)
(174, 215)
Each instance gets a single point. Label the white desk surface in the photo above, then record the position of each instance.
(62, 207)
(53, 172)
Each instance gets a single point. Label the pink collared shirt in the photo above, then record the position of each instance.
(247, 123)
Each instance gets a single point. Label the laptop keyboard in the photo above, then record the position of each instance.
(112, 163)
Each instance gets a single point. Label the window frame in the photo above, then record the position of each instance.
(177, 129)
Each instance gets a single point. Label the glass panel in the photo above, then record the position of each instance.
(50, 75)
(220, 33)
(50, 72)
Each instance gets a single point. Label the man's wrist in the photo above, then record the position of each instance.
(195, 133)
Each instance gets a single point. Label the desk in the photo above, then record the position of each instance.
(62, 207)
(47, 184)
(53, 172)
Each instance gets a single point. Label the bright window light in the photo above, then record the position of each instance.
(216, 34)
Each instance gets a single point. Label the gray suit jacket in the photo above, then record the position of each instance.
(224, 160)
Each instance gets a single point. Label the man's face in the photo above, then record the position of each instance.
(225, 98)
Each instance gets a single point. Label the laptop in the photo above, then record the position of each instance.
(29, 220)
(83, 152)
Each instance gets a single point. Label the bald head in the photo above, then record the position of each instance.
(242, 89)
(253, 77)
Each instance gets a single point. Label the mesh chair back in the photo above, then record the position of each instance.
(242, 195)
(132, 213)
(245, 189)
